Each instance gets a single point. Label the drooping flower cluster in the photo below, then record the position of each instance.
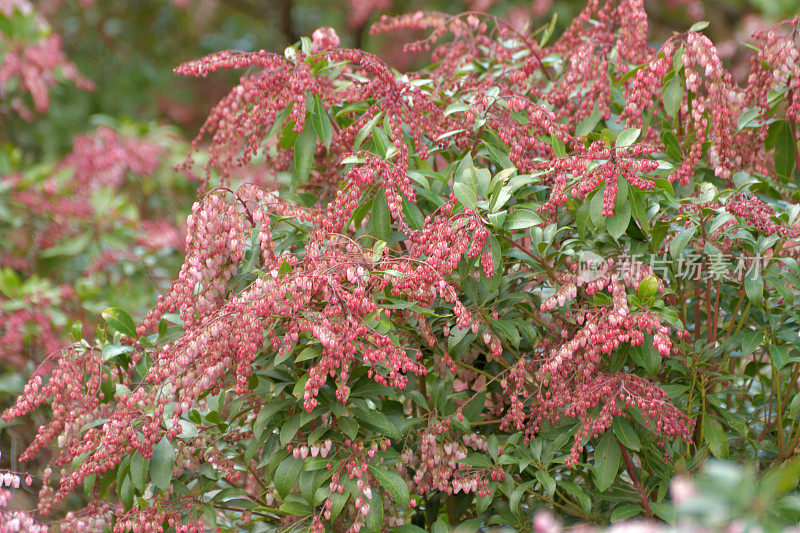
(438, 463)
(567, 381)
(578, 175)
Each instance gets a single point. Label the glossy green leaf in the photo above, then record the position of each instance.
(381, 218)
(626, 434)
(162, 464)
(393, 483)
(373, 522)
(139, 469)
(322, 122)
(680, 241)
(286, 475)
(716, 438)
(522, 219)
(120, 320)
(365, 131)
(751, 341)
(627, 137)
(607, 458)
(466, 196)
(673, 95)
(754, 288)
(617, 224)
(304, 147)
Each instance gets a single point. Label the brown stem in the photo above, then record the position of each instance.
(636, 483)
(286, 20)
(550, 272)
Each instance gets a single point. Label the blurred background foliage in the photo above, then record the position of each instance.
(128, 49)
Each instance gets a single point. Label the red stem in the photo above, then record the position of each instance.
(635, 480)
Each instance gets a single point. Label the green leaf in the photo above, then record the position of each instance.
(780, 356)
(466, 196)
(71, 247)
(210, 515)
(379, 421)
(785, 149)
(624, 512)
(483, 502)
(715, 437)
(393, 483)
(292, 426)
(626, 434)
(578, 493)
(664, 510)
(413, 215)
(646, 357)
(455, 108)
(111, 351)
(508, 329)
(522, 219)
(749, 114)
(139, 468)
(473, 409)
(517, 494)
(699, 26)
(558, 145)
(364, 132)
(547, 481)
(617, 224)
(439, 527)
(374, 520)
(588, 124)
(381, 218)
(322, 122)
(310, 352)
(648, 287)
(348, 426)
(596, 208)
(794, 407)
(120, 321)
(719, 221)
(296, 507)
(680, 241)
(266, 413)
(162, 463)
(607, 457)
(751, 341)
(286, 474)
(754, 288)
(673, 95)
(627, 137)
(126, 492)
(304, 147)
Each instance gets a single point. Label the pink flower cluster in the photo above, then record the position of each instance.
(566, 381)
(34, 66)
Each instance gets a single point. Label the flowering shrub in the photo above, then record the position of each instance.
(532, 275)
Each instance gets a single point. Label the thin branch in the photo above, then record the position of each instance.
(636, 483)
(550, 272)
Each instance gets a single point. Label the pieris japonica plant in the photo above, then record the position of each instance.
(540, 273)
